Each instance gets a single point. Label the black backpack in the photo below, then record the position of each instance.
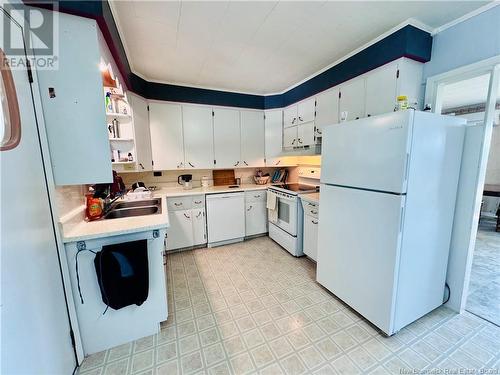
(122, 273)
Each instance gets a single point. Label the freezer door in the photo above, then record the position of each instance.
(358, 250)
(370, 153)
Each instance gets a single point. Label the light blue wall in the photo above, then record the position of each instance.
(473, 40)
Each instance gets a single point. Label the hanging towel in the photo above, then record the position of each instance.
(122, 273)
(272, 206)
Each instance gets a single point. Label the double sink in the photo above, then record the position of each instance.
(134, 208)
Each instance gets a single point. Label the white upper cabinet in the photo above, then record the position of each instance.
(141, 131)
(273, 124)
(352, 100)
(227, 138)
(290, 137)
(306, 111)
(381, 90)
(305, 135)
(198, 137)
(290, 116)
(165, 121)
(252, 139)
(327, 109)
(75, 118)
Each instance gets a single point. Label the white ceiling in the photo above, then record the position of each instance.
(259, 47)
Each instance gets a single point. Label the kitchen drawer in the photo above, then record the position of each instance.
(198, 201)
(255, 196)
(310, 209)
(179, 203)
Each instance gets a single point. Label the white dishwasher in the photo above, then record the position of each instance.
(225, 218)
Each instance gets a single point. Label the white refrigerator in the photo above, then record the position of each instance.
(388, 189)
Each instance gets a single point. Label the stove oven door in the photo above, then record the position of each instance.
(287, 214)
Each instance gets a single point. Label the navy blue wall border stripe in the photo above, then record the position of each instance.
(408, 41)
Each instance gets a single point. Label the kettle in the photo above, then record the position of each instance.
(185, 181)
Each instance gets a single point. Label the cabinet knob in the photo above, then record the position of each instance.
(293, 142)
(249, 208)
(191, 164)
(237, 163)
(301, 119)
(300, 140)
(142, 166)
(245, 163)
(177, 204)
(314, 222)
(187, 216)
(199, 214)
(279, 161)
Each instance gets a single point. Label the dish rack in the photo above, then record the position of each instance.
(261, 180)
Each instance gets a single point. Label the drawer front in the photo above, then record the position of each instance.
(179, 203)
(198, 201)
(311, 209)
(256, 196)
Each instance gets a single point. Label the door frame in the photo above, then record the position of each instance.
(460, 270)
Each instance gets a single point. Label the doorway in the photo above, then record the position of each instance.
(473, 93)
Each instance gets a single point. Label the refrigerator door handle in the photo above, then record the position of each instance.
(407, 166)
(401, 220)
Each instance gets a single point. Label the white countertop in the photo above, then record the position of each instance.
(75, 228)
(310, 197)
(179, 191)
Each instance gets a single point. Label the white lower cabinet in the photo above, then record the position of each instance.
(199, 226)
(311, 223)
(187, 222)
(255, 212)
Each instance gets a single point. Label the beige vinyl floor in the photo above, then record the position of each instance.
(251, 308)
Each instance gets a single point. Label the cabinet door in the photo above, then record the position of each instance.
(226, 138)
(75, 119)
(255, 218)
(327, 109)
(290, 116)
(290, 137)
(305, 111)
(199, 226)
(142, 137)
(381, 86)
(305, 135)
(252, 138)
(352, 100)
(273, 125)
(165, 124)
(198, 137)
(180, 231)
(311, 237)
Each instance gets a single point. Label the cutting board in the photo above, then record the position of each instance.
(224, 177)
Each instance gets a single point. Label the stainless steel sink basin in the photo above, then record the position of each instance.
(144, 203)
(135, 208)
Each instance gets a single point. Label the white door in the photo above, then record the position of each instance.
(198, 137)
(225, 216)
(290, 137)
(227, 151)
(252, 138)
(327, 109)
(306, 111)
(376, 156)
(35, 331)
(199, 226)
(273, 125)
(180, 231)
(290, 116)
(305, 134)
(352, 100)
(165, 123)
(255, 218)
(381, 88)
(358, 249)
(310, 247)
(141, 131)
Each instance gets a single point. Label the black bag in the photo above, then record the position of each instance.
(122, 273)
